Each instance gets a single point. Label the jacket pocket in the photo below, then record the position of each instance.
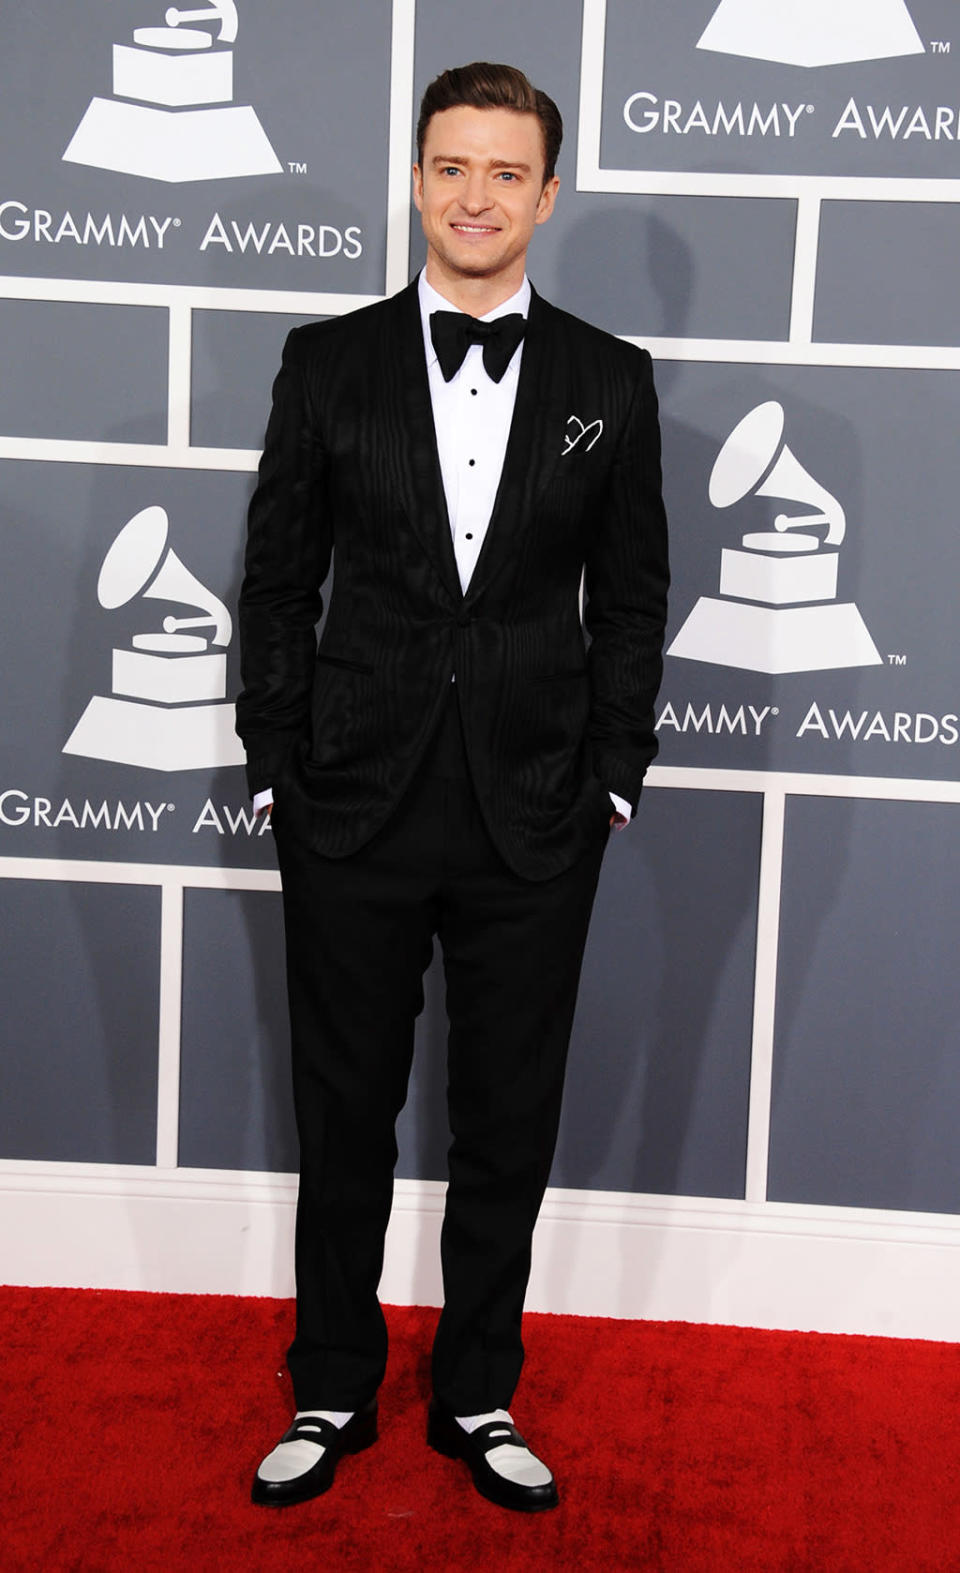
(347, 666)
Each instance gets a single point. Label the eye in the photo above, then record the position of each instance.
(450, 169)
(508, 175)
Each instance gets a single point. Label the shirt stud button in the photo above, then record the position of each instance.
(471, 461)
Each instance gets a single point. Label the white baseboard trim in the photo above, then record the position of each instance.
(597, 1253)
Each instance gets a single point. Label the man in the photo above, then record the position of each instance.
(450, 760)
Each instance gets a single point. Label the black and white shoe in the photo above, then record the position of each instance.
(304, 1461)
(504, 1469)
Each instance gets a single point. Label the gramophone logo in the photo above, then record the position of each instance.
(777, 610)
(161, 121)
(812, 32)
(167, 710)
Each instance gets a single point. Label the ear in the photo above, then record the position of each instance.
(418, 188)
(548, 197)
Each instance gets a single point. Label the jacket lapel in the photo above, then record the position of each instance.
(408, 411)
(534, 445)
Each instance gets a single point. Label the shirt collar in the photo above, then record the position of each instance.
(431, 300)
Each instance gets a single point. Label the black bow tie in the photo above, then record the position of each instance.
(453, 332)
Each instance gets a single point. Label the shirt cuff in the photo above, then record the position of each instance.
(620, 804)
(262, 799)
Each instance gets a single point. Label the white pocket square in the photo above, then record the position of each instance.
(578, 431)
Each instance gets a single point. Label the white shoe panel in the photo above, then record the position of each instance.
(289, 1460)
(519, 1465)
(510, 1462)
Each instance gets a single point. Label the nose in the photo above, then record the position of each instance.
(475, 195)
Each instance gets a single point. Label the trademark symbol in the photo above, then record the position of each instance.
(177, 222)
(808, 108)
(897, 660)
(939, 46)
(775, 710)
(296, 168)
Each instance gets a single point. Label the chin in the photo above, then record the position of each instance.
(470, 259)
(473, 268)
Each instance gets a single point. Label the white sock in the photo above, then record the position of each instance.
(511, 1462)
(288, 1460)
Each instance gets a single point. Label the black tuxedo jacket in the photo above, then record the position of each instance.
(350, 469)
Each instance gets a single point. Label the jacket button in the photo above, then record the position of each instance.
(464, 620)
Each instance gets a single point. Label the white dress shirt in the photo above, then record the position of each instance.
(472, 416)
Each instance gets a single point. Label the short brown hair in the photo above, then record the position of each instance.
(485, 86)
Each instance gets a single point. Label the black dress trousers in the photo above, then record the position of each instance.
(359, 935)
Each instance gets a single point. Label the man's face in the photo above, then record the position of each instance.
(481, 191)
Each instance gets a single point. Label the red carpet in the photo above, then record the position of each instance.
(131, 1424)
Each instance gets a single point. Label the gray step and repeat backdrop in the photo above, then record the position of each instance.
(765, 194)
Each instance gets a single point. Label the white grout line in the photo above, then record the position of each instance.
(765, 995)
(401, 114)
(780, 352)
(83, 871)
(804, 784)
(171, 992)
(200, 297)
(58, 450)
(783, 188)
(806, 247)
(179, 368)
(590, 109)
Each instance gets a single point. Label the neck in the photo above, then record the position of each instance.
(475, 296)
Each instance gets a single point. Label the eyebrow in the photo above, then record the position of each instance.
(496, 163)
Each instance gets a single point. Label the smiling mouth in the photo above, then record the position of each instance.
(475, 229)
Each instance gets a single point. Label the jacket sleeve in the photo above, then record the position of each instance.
(289, 544)
(626, 581)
